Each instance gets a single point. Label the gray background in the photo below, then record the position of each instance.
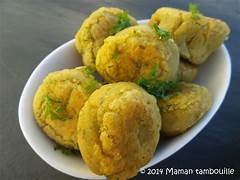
(29, 30)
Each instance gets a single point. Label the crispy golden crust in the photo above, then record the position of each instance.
(183, 110)
(94, 30)
(196, 39)
(133, 52)
(66, 90)
(187, 72)
(118, 130)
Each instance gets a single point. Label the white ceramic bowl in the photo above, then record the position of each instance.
(215, 75)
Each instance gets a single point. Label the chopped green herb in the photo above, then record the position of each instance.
(122, 23)
(164, 35)
(66, 151)
(116, 55)
(50, 100)
(154, 71)
(160, 89)
(90, 85)
(57, 113)
(53, 108)
(193, 8)
(88, 71)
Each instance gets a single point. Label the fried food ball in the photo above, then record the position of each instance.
(58, 100)
(133, 52)
(187, 72)
(196, 38)
(184, 109)
(99, 25)
(118, 130)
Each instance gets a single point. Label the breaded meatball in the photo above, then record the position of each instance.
(58, 100)
(133, 52)
(196, 38)
(99, 25)
(187, 72)
(118, 130)
(184, 109)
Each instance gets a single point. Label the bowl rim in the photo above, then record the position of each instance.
(154, 160)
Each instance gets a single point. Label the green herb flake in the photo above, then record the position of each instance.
(88, 71)
(193, 8)
(90, 85)
(66, 151)
(160, 89)
(122, 23)
(164, 35)
(115, 55)
(53, 108)
(154, 71)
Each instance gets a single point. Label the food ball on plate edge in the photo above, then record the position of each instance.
(184, 108)
(197, 36)
(118, 130)
(58, 100)
(133, 52)
(102, 23)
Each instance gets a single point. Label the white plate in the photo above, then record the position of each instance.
(215, 75)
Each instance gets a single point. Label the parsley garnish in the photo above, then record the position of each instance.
(164, 35)
(53, 108)
(122, 23)
(116, 55)
(66, 151)
(90, 85)
(160, 89)
(154, 72)
(193, 8)
(88, 71)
